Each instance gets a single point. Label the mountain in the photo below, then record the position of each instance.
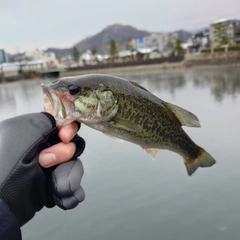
(120, 33)
(100, 41)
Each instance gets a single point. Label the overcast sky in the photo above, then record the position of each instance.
(31, 24)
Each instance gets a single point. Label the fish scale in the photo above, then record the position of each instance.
(154, 133)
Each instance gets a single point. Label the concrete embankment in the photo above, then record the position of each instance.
(128, 69)
(147, 68)
(228, 57)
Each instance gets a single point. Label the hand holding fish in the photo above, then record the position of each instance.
(26, 187)
(60, 152)
(127, 111)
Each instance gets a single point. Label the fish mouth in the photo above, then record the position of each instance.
(60, 109)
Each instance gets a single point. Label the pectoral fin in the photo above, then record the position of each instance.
(113, 137)
(153, 152)
(125, 124)
(185, 117)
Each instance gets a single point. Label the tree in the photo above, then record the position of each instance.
(113, 51)
(170, 42)
(76, 54)
(178, 47)
(94, 51)
(220, 34)
(129, 45)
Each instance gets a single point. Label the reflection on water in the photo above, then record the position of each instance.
(128, 196)
(221, 81)
(20, 97)
(164, 81)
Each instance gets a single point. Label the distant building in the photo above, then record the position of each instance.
(199, 40)
(161, 42)
(225, 32)
(48, 60)
(143, 53)
(3, 56)
(9, 69)
(126, 55)
(87, 58)
(154, 41)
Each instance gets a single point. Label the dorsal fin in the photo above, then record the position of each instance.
(185, 117)
(137, 85)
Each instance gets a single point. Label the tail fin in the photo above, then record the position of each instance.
(204, 159)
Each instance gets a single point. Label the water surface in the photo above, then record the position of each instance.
(129, 196)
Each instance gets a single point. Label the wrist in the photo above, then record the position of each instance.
(9, 226)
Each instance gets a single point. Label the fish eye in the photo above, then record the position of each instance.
(73, 89)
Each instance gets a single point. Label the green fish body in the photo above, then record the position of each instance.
(126, 111)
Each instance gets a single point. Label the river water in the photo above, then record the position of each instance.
(129, 196)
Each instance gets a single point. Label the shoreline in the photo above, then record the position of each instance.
(128, 69)
(159, 67)
(146, 68)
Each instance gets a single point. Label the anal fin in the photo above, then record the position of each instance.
(153, 152)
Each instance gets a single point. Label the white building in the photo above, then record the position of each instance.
(225, 30)
(162, 42)
(9, 69)
(88, 58)
(48, 60)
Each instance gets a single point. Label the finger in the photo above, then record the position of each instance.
(56, 154)
(67, 184)
(66, 133)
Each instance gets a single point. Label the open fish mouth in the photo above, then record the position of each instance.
(53, 103)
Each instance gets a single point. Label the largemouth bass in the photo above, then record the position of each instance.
(126, 111)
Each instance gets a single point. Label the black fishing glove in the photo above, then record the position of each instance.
(25, 186)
